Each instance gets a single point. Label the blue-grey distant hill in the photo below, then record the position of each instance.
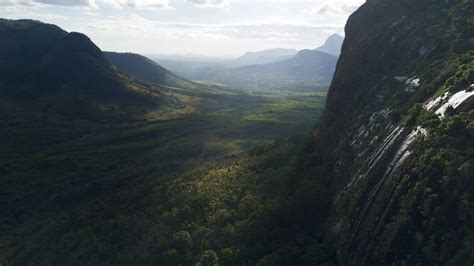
(332, 45)
(266, 56)
(277, 69)
(308, 70)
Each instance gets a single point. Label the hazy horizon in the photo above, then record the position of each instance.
(216, 28)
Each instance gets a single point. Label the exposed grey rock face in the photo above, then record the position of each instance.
(396, 77)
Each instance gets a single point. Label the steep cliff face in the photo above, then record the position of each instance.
(398, 131)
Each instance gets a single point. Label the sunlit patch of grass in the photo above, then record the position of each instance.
(288, 109)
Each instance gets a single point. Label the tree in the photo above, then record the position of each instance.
(183, 242)
(209, 258)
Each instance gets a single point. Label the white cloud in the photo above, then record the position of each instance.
(7, 3)
(177, 26)
(90, 3)
(209, 2)
(262, 30)
(71, 3)
(140, 4)
(31, 12)
(225, 38)
(338, 7)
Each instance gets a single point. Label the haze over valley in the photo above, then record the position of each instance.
(273, 69)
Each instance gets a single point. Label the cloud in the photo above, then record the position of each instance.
(350, 8)
(262, 31)
(341, 7)
(8, 3)
(70, 3)
(324, 9)
(140, 4)
(139, 34)
(245, 25)
(28, 11)
(209, 2)
(89, 3)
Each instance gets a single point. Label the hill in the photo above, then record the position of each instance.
(306, 71)
(269, 70)
(306, 65)
(56, 85)
(146, 70)
(66, 71)
(265, 56)
(332, 45)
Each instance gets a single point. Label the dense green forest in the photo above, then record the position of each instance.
(89, 192)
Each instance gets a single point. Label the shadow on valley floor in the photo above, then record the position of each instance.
(171, 187)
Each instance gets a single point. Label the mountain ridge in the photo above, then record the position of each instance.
(307, 70)
(306, 63)
(146, 70)
(265, 56)
(57, 68)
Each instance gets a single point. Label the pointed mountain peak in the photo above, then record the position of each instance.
(334, 38)
(332, 45)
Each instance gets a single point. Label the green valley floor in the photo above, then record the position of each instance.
(183, 185)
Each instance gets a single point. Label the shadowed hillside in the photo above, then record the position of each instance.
(146, 70)
(61, 70)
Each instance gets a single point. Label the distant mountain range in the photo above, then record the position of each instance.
(266, 56)
(308, 70)
(306, 64)
(275, 69)
(50, 62)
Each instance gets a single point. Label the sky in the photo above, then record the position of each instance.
(199, 27)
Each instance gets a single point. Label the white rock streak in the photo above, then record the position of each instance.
(400, 156)
(436, 102)
(410, 82)
(455, 101)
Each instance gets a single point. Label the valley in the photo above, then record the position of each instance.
(78, 170)
(281, 70)
(87, 188)
(360, 155)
